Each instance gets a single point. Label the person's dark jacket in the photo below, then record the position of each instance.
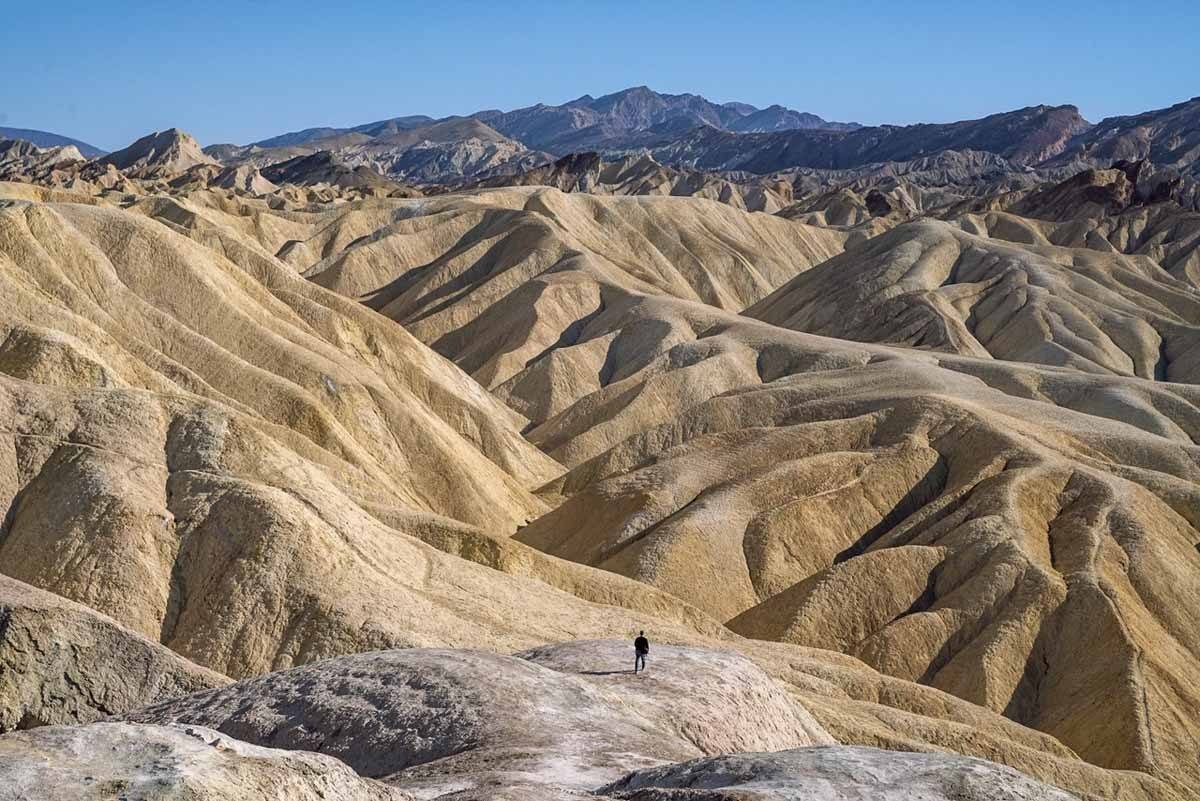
(641, 645)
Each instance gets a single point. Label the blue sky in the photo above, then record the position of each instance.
(235, 72)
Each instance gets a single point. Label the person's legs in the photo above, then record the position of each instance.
(639, 663)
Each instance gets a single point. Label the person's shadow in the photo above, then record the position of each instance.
(603, 672)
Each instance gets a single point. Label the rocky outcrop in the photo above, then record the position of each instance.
(25, 161)
(324, 167)
(412, 150)
(158, 155)
(1169, 137)
(244, 179)
(60, 662)
(832, 774)
(45, 139)
(103, 761)
(570, 717)
(1095, 193)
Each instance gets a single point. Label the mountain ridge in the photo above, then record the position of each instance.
(48, 139)
(540, 125)
(1025, 136)
(1168, 137)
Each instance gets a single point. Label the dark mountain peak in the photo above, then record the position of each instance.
(47, 139)
(1042, 108)
(633, 95)
(1187, 108)
(1168, 137)
(294, 138)
(394, 125)
(741, 109)
(780, 118)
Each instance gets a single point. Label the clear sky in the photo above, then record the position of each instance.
(236, 72)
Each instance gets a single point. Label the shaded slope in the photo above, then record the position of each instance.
(61, 662)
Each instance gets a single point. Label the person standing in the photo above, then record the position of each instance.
(641, 647)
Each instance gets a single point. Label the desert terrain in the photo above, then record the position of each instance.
(346, 464)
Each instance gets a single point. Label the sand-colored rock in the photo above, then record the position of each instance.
(60, 662)
(414, 150)
(929, 285)
(25, 161)
(343, 375)
(621, 389)
(642, 175)
(158, 155)
(168, 397)
(965, 523)
(1132, 208)
(233, 461)
(246, 179)
(493, 280)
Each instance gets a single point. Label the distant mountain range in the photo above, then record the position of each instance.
(614, 120)
(47, 139)
(689, 132)
(1025, 137)
(1044, 136)
(624, 117)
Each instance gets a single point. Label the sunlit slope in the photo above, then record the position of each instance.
(495, 278)
(1022, 537)
(932, 285)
